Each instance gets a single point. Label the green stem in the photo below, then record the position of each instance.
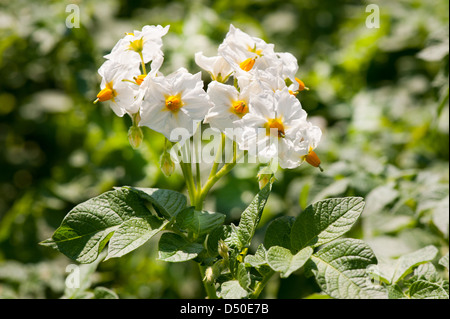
(209, 287)
(186, 168)
(260, 286)
(217, 158)
(215, 178)
(144, 71)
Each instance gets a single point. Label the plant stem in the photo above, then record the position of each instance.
(186, 168)
(215, 178)
(260, 286)
(218, 157)
(144, 71)
(209, 287)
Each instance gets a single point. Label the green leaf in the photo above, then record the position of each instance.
(133, 233)
(395, 292)
(325, 221)
(199, 222)
(280, 259)
(423, 289)
(444, 261)
(258, 259)
(243, 276)
(231, 290)
(86, 229)
(175, 248)
(250, 218)
(407, 262)
(340, 270)
(278, 232)
(426, 272)
(167, 202)
(104, 293)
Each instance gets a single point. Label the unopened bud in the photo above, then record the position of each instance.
(263, 180)
(135, 136)
(209, 275)
(264, 176)
(223, 249)
(167, 165)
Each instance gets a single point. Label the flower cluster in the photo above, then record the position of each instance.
(251, 97)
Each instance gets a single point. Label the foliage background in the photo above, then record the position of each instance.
(380, 96)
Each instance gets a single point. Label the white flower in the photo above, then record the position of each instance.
(269, 79)
(175, 101)
(288, 69)
(230, 105)
(307, 138)
(245, 53)
(116, 88)
(141, 46)
(219, 69)
(272, 126)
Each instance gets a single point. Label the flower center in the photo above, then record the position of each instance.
(107, 93)
(275, 124)
(136, 45)
(239, 108)
(248, 64)
(140, 78)
(254, 50)
(174, 103)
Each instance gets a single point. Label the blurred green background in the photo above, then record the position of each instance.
(379, 94)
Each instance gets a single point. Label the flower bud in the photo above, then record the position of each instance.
(264, 176)
(223, 249)
(135, 136)
(166, 163)
(209, 275)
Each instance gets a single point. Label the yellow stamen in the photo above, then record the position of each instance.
(277, 124)
(108, 93)
(239, 108)
(254, 50)
(136, 45)
(312, 159)
(248, 64)
(301, 85)
(140, 78)
(174, 103)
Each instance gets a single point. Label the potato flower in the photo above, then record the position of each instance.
(217, 67)
(270, 128)
(141, 47)
(245, 53)
(229, 105)
(116, 87)
(173, 102)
